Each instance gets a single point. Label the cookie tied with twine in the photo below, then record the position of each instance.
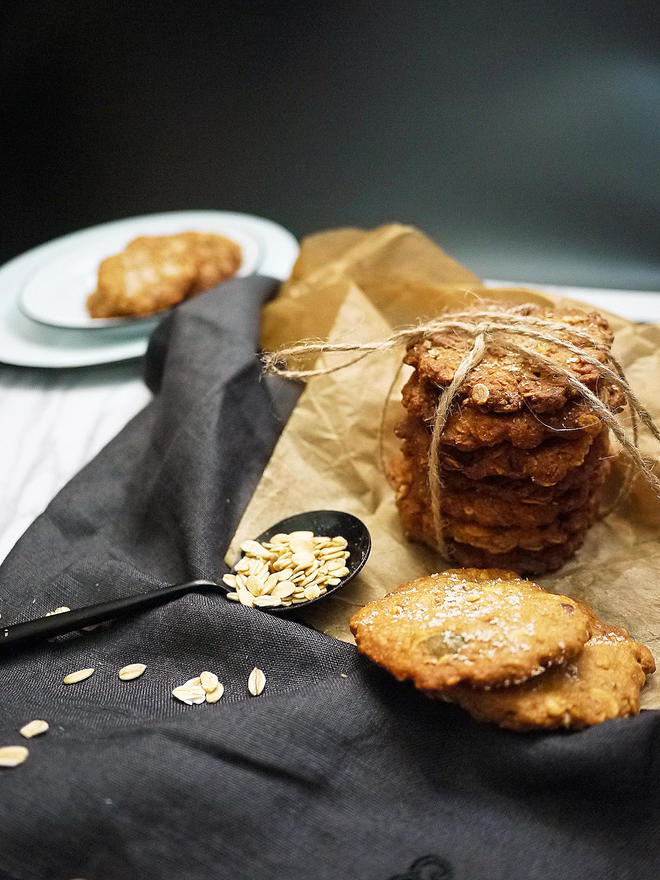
(499, 360)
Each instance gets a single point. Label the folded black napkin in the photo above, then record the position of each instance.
(336, 771)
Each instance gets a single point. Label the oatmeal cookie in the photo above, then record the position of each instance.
(498, 509)
(505, 381)
(523, 549)
(602, 682)
(534, 493)
(526, 562)
(483, 628)
(507, 511)
(155, 272)
(503, 540)
(547, 464)
(149, 275)
(469, 427)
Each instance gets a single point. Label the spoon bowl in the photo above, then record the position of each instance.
(330, 523)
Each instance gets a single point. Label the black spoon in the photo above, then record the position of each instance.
(332, 523)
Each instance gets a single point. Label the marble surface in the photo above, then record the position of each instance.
(54, 421)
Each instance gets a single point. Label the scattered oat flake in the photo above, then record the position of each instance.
(133, 670)
(256, 682)
(209, 681)
(33, 728)
(215, 695)
(61, 610)
(191, 695)
(12, 756)
(79, 675)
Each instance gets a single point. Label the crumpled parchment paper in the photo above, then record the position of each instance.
(353, 285)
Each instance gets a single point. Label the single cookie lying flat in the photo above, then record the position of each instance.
(603, 682)
(149, 275)
(480, 627)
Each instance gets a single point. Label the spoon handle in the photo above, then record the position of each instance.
(68, 621)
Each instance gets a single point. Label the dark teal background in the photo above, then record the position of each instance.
(522, 136)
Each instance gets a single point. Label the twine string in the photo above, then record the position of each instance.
(474, 356)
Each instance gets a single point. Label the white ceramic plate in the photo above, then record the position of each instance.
(56, 293)
(271, 250)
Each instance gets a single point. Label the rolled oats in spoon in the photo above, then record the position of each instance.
(290, 565)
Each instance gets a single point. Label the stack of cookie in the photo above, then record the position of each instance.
(522, 456)
(505, 650)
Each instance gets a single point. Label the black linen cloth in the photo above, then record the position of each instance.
(336, 771)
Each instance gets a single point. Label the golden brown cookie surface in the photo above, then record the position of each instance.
(413, 500)
(507, 511)
(547, 464)
(507, 487)
(472, 626)
(155, 272)
(602, 682)
(496, 510)
(469, 427)
(149, 275)
(508, 382)
(528, 562)
(216, 258)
